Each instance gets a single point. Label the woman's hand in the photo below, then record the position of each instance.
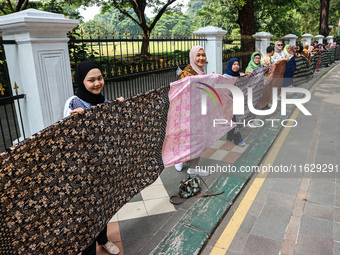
(120, 99)
(77, 110)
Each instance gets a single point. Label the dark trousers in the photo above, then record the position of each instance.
(235, 137)
(101, 240)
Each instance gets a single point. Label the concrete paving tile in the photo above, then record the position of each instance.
(313, 245)
(159, 220)
(319, 185)
(207, 153)
(134, 228)
(158, 206)
(261, 246)
(320, 197)
(268, 228)
(316, 227)
(286, 187)
(238, 243)
(231, 157)
(114, 218)
(288, 247)
(137, 198)
(132, 210)
(219, 155)
(207, 250)
(248, 223)
(276, 213)
(218, 144)
(291, 234)
(336, 216)
(228, 146)
(294, 222)
(336, 231)
(298, 207)
(133, 245)
(239, 149)
(324, 159)
(152, 243)
(261, 198)
(284, 200)
(173, 220)
(336, 248)
(153, 192)
(318, 211)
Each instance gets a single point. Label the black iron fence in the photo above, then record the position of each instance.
(133, 64)
(10, 112)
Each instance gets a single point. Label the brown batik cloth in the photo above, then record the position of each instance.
(275, 82)
(60, 187)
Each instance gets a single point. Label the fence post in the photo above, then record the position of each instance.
(39, 63)
(307, 38)
(212, 47)
(319, 38)
(290, 39)
(330, 39)
(262, 42)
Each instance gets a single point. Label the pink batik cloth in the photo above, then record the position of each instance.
(188, 132)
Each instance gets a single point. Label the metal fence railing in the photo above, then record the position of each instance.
(132, 64)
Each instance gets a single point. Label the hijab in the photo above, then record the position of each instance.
(292, 52)
(229, 71)
(82, 69)
(286, 49)
(251, 66)
(300, 49)
(276, 48)
(193, 53)
(311, 48)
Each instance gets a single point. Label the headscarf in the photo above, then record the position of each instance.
(300, 49)
(251, 66)
(292, 52)
(311, 48)
(229, 71)
(193, 53)
(82, 69)
(286, 49)
(276, 48)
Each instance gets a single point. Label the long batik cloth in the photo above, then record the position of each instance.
(274, 81)
(255, 81)
(189, 132)
(60, 187)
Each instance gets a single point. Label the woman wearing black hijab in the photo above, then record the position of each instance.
(90, 82)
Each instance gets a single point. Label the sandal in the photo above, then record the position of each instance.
(111, 248)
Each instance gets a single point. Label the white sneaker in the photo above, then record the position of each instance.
(179, 167)
(198, 171)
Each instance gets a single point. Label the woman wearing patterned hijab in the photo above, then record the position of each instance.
(197, 62)
(254, 63)
(279, 54)
(287, 50)
(90, 82)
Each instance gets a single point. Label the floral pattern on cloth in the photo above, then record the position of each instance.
(61, 186)
(188, 132)
(254, 80)
(188, 71)
(274, 81)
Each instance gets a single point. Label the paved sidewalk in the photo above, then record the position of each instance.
(150, 224)
(298, 212)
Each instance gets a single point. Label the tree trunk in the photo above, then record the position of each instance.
(324, 14)
(145, 43)
(247, 26)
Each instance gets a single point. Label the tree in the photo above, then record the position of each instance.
(9, 7)
(324, 14)
(193, 6)
(139, 7)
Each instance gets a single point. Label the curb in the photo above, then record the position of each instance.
(193, 231)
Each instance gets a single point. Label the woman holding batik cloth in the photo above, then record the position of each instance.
(254, 62)
(196, 67)
(279, 54)
(232, 71)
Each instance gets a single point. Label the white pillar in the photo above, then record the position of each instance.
(262, 42)
(330, 39)
(319, 38)
(307, 38)
(213, 47)
(39, 63)
(290, 39)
